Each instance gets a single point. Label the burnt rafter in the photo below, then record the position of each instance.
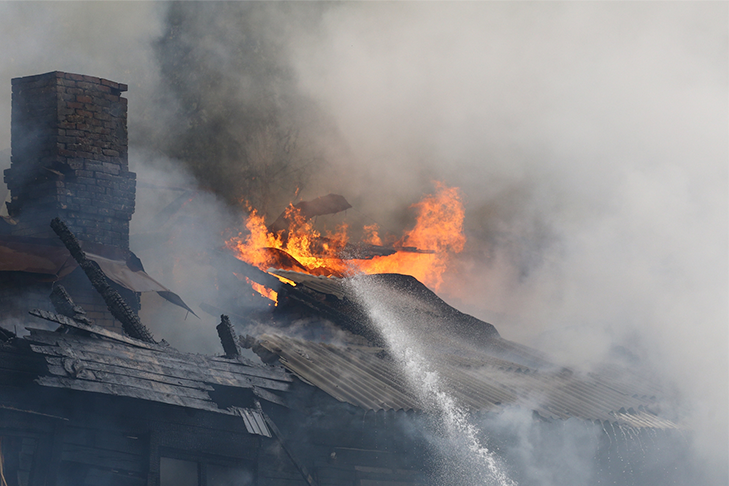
(227, 336)
(64, 305)
(116, 304)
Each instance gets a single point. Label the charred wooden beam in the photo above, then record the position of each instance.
(227, 336)
(232, 264)
(69, 322)
(64, 305)
(116, 304)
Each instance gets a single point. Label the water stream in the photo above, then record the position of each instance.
(464, 459)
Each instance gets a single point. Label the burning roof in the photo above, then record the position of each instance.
(314, 279)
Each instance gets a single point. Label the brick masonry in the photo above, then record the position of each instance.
(69, 160)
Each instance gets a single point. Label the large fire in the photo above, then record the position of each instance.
(423, 252)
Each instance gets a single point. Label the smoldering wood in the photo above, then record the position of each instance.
(116, 304)
(64, 305)
(230, 263)
(227, 336)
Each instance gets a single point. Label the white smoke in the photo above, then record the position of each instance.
(589, 140)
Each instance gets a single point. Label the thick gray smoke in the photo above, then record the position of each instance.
(589, 140)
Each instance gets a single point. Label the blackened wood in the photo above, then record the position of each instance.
(69, 322)
(153, 458)
(99, 458)
(156, 355)
(203, 370)
(190, 372)
(247, 270)
(129, 391)
(116, 304)
(89, 374)
(54, 363)
(342, 320)
(64, 305)
(226, 333)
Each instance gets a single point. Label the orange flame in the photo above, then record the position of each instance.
(264, 291)
(372, 235)
(438, 234)
(439, 228)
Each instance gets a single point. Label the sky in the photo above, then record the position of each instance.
(589, 141)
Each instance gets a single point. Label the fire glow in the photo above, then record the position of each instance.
(437, 236)
(266, 292)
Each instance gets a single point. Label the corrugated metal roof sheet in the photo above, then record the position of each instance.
(254, 421)
(367, 378)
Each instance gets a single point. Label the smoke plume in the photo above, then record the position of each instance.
(589, 141)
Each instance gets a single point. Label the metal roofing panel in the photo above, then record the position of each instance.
(367, 378)
(254, 421)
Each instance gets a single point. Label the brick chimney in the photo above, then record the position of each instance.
(69, 158)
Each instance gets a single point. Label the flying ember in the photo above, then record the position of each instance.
(423, 252)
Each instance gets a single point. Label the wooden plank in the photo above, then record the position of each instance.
(100, 331)
(136, 373)
(167, 355)
(114, 379)
(129, 391)
(178, 369)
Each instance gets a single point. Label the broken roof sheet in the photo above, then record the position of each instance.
(52, 262)
(368, 378)
(329, 204)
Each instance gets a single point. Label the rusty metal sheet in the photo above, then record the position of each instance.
(118, 271)
(34, 256)
(51, 262)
